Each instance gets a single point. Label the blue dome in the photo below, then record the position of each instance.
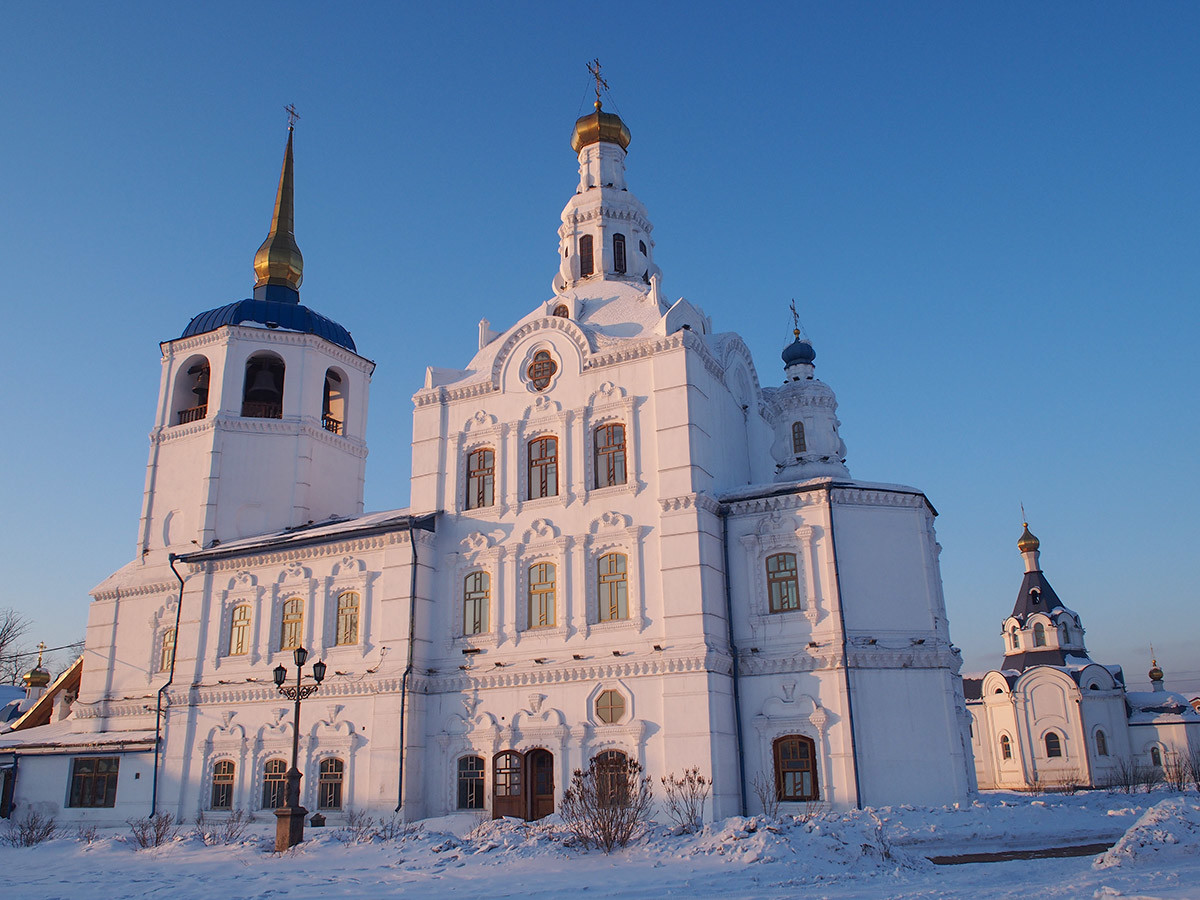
(271, 314)
(798, 351)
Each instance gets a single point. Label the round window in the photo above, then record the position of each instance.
(541, 370)
(610, 707)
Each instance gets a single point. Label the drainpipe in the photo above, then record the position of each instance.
(837, 580)
(158, 713)
(723, 512)
(412, 633)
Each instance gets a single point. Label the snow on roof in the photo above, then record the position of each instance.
(1160, 706)
(62, 736)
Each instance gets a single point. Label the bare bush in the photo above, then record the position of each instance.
(1177, 771)
(1193, 762)
(1036, 786)
(28, 829)
(87, 833)
(607, 803)
(764, 790)
(1066, 784)
(1152, 777)
(390, 829)
(1125, 776)
(153, 831)
(227, 829)
(359, 826)
(809, 811)
(685, 798)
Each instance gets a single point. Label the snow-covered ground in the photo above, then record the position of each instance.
(864, 854)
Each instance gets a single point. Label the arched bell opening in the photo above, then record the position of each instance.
(189, 397)
(262, 391)
(334, 405)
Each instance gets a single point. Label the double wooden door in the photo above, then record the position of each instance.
(523, 784)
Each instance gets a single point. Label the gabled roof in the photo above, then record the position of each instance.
(42, 711)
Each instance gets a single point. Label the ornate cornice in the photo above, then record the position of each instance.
(852, 496)
(776, 502)
(685, 502)
(137, 590)
(305, 425)
(336, 546)
(712, 661)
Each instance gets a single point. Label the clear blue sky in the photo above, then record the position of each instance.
(987, 214)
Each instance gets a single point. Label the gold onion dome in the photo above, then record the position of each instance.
(37, 677)
(599, 126)
(1027, 541)
(278, 260)
(1155, 673)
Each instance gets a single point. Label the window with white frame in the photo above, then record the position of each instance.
(347, 618)
(542, 595)
(291, 627)
(612, 588)
(239, 630)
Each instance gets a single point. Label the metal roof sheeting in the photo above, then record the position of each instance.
(271, 314)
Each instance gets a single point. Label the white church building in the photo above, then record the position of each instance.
(620, 544)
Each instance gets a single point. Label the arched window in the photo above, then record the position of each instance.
(470, 782)
(587, 262)
(542, 578)
(481, 478)
(798, 444)
(795, 768)
(619, 254)
(329, 784)
(1039, 635)
(642, 247)
(1156, 757)
(783, 588)
(347, 618)
(1035, 596)
(610, 455)
(1014, 639)
(166, 650)
(333, 407)
(1053, 745)
(543, 467)
(274, 792)
(262, 391)
(222, 785)
(1066, 633)
(190, 399)
(541, 370)
(291, 628)
(562, 312)
(1101, 744)
(610, 707)
(611, 587)
(612, 778)
(476, 600)
(239, 630)
(1005, 747)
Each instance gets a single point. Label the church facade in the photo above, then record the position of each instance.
(620, 545)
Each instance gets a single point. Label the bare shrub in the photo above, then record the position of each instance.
(809, 811)
(228, 829)
(1177, 771)
(1125, 776)
(87, 833)
(686, 794)
(390, 829)
(359, 826)
(482, 820)
(153, 831)
(28, 829)
(607, 803)
(1193, 762)
(764, 790)
(1152, 777)
(1066, 784)
(1036, 786)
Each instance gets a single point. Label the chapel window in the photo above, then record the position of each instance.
(1101, 744)
(476, 600)
(166, 650)
(587, 263)
(239, 630)
(642, 247)
(274, 792)
(543, 468)
(1066, 633)
(94, 781)
(798, 444)
(1039, 635)
(1053, 744)
(1014, 639)
(612, 778)
(542, 589)
(347, 618)
(541, 370)
(612, 587)
(619, 254)
(783, 588)
(481, 478)
(262, 390)
(795, 768)
(1005, 747)
(329, 784)
(291, 627)
(190, 402)
(1035, 596)
(333, 407)
(562, 312)
(610, 455)
(222, 785)
(610, 707)
(1156, 757)
(470, 782)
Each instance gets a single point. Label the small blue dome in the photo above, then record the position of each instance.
(798, 351)
(271, 314)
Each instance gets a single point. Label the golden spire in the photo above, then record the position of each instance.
(278, 261)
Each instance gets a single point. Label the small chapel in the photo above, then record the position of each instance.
(622, 543)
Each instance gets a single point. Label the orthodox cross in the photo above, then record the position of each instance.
(594, 68)
(290, 109)
(1024, 520)
(795, 315)
(41, 650)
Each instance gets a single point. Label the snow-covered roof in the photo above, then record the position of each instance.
(1157, 707)
(61, 736)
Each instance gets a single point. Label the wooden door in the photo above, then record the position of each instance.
(508, 783)
(539, 766)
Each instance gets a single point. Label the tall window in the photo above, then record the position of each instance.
(543, 468)
(166, 650)
(291, 629)
(612, 778)
(481, 478)
(239, 630)
(1053, 744)
(798, 443)
(610, 455)
(274, 792)
(1039, 635)
(610, 707)
(1005, 747)
(1101, 744)
(333, 407)
(1066, 633)
(476, 600)
(795, 768)
(94, 781)
(347, 618)
(782, 586)
(642, 247)
(1156, 757)
(587, 263)
(506, 774)
(222, 785)
(1013, 639)
(329, 784)
(541, 370)
(541, 595)
(619, 254)
(262, 390)
(611, 587)
(470, 782)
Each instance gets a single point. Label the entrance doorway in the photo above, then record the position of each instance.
(523, 784)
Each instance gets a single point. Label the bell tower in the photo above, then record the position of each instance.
(262, 410)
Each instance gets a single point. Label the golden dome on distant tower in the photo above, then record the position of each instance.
(1027, 541)
(278, 260)
(37, 677)
(1155, 673)
(599, 126)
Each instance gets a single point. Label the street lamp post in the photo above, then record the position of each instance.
(289, 822)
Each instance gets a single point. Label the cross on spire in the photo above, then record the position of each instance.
(795, 316)
(292, 115)
(41, 650)
(594, 68)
